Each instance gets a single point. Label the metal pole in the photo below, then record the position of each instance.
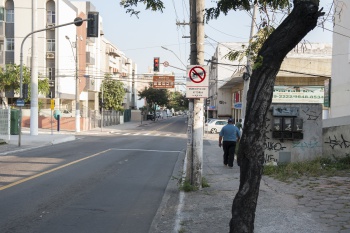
(34, 106)
(21, 69)
(174, 54)
(77, 98)
(102, 108)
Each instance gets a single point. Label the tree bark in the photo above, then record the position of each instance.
(301, 21)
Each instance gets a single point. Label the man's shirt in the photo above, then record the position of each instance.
(229, 133)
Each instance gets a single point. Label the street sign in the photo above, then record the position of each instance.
(165, 64)
(52, 104)
(163, 82)
(197, 82)
(20, 103)
(237, 105)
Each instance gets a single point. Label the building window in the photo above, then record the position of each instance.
(50, 73)
(10, 44)
(50, 17)
(2, 14)
(10, 16)
(50, 45)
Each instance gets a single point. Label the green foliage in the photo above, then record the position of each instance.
(186, 186)
(255, 45)
(154, 5)
(224, 6)
(153, 96)
(113, 94)
(317, 167)
(205, 183)
(10, 80)
(10, 77)
(177, 101)
(258, 62)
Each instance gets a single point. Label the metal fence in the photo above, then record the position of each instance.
(110, 117)
(5, 124)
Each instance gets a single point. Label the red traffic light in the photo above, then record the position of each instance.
(156, 64)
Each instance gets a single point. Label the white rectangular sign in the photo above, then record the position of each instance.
(197, 81)
(302, 94)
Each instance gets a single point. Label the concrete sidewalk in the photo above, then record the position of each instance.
(281, 207)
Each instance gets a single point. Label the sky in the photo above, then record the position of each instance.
(141, 39)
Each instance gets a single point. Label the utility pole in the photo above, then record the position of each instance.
(249, 68)
(34, 106)
(196, 106)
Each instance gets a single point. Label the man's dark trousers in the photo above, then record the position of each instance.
(229, 152)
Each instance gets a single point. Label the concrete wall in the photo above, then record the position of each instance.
(340, 94)
(288, 150)
(336, 136)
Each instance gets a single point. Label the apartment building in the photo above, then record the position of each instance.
(65, 55)
(336, 128)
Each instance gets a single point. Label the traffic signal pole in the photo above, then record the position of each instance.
(78, 22)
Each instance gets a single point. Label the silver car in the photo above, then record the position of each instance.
(215, 125)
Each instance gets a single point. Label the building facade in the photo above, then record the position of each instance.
(65, 55)
(336, 128)
(299, 85)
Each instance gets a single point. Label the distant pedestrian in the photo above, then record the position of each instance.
(239, 124)
(228, 137)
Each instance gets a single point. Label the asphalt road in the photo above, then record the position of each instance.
(95, 184)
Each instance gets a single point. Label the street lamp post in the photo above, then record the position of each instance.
(174, 54)
(77, 99)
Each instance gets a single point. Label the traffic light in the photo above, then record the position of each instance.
(92, 28)
(156, 64)
(208, 102)
(25, 91)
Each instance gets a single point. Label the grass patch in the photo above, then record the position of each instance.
(318, 167)
(205, 183)
(186, 185)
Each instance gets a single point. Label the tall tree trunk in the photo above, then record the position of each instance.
(301, 21)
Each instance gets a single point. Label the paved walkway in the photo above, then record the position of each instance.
(307, 205)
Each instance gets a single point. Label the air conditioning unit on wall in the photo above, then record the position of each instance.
(50, 55)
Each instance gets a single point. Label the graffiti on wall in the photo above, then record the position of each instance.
(270, 158)
(338, 142)
(312, 115)
(306, 145)
(274, 146)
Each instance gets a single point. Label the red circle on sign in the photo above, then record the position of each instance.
(194, 72)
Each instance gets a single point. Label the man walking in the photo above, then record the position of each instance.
(228, 137)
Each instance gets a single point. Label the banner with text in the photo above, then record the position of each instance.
(298, 94)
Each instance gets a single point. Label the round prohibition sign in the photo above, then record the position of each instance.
(197, 72)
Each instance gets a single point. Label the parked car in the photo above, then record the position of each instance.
(210, 119)
(215, 125)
